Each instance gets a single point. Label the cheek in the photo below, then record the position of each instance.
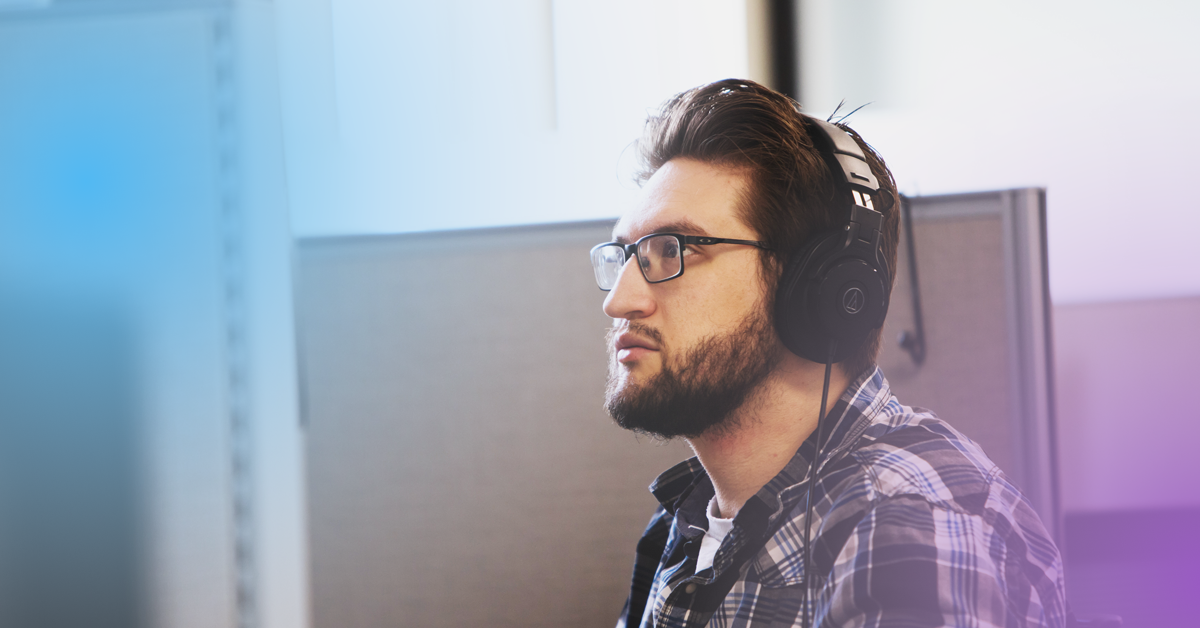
(715, 302)
(726, 310)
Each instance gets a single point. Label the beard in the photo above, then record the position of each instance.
(700, 394)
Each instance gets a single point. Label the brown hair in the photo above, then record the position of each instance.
(792, 195)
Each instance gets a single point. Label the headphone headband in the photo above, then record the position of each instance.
(851, 161)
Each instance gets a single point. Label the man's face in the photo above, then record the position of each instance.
(685, 353)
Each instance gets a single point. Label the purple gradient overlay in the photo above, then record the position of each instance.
(1128, 427)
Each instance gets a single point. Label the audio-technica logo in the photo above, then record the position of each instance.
(853, 300)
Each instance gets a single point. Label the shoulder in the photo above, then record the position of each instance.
(886, 449)
(909, 559)
(911, 479)
(888, 485)
(940, 533)
(937, 505)
(909, 465)
(911, 453)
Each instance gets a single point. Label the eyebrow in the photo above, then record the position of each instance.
(684, 226)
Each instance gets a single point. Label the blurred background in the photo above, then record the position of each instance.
(178, 443)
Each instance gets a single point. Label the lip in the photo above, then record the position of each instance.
(631, 347)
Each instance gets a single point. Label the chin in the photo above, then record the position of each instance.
(628, 379)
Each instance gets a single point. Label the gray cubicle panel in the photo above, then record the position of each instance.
(981, 261)
(461, 470)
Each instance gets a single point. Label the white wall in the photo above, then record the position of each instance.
(1093, 100)
(473, 113)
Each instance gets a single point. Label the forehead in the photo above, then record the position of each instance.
(687, 196)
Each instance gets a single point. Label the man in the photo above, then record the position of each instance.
(911, 524)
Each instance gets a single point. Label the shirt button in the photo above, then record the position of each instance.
(690, 589)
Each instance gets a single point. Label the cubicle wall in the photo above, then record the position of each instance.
(461, 469)
(984, 300)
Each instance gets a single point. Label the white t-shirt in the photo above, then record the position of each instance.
(717, 529)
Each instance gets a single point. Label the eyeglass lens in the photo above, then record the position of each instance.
(659, 257)
(607, 261)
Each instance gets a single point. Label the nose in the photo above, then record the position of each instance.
(632, 297)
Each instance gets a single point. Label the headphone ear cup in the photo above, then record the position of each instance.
(826, 292)
(795, 319)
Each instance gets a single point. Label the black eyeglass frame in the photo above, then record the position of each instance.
(630, 250)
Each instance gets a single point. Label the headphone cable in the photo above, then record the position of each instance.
(812, 482)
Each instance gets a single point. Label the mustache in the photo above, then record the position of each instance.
(636, 328)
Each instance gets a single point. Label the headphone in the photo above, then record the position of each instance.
(834, 289)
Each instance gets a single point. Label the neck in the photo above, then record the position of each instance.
(767, 430)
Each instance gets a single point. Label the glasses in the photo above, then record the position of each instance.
(660, 256)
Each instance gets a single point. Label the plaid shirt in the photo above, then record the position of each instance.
(913, 526)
